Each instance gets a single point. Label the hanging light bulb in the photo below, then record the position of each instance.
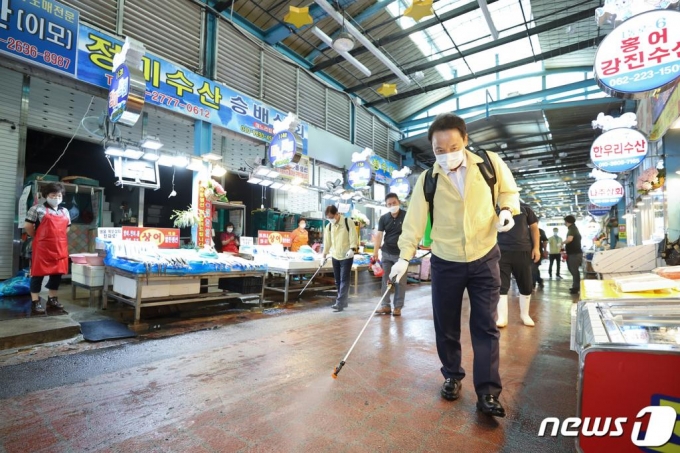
(173, 193)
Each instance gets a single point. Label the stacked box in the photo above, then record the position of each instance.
(87, 275)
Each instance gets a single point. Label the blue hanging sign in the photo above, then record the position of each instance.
(382, 169)
(619, 150)
(360, 175)
(605, 193)
(597, 211)
(640, 56)
(401, 187)
(182, 91)
(282, 149)
(44, 32)
(119, 92)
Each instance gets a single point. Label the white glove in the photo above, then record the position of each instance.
(398, 270)
(349, 254)
(505, 221)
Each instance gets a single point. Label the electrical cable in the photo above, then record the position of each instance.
(80, 123)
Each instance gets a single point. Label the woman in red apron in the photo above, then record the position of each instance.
(48, 224)
(229, 240)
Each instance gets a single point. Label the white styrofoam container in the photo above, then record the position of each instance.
(91, 280)
(85, 270)
(184, 288)
(128, 287)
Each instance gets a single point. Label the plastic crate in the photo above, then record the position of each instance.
(242, 285)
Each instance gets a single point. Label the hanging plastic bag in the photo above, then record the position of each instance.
(377, 269)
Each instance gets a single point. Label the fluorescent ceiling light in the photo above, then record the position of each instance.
(180, 161)
(273, 174)
(196, 165)
(151, 156)
(114, 150)
(350, 59)
(218, 171)
(276, 185)
(166, 160)
(286, 187)
(266, 182)
(151, 143)
(262, 171)
(327, 196)
(296, 181)
(254, 180)
(211, 156)
(338, 190)
(133, 153)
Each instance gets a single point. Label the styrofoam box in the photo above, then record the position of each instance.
(86, 270)
(185, 288)
(128, 287)
(91, 280)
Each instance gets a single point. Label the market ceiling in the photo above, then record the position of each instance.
(546, 140)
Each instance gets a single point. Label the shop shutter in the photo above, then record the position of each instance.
(280, 84)
(394, 137)
(338, 119)
(238, 61)
(312, 100)
(170, 29)
(364, 128)
(380, 141)
(101, 13)
(239, 152)
(175, 131)
(10, 103)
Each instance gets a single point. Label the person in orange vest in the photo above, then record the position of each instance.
(299, 236)
(229, 240)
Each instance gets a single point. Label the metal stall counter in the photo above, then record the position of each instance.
(141, 275)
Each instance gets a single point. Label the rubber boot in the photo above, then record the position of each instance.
(524, 303)
(502, 319)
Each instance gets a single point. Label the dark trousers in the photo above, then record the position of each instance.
(555, 257)
(52, 283)
(574, 261)
(536, 273)
(519, 265)
(483, 282)
(342, 271)
(399, 288)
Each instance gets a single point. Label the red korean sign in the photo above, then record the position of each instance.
(640, 56)
(619, 150)
(273, 238)
(165, 238)
(204, 227)
(627, 424)
(605, 193)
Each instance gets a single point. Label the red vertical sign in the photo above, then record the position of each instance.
(204, 234)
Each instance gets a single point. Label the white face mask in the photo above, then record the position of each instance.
(54, 202)
(332, 221)
(229, 230)
(303, 226)
(394, 209)
(450, 161)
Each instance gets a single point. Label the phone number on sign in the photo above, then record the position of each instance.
(645, 75)
(32, 51)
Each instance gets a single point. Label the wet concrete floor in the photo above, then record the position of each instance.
(265, 385)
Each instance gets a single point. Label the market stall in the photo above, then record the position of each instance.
(142, 275)
(627, 334)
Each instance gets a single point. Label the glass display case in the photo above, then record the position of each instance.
(629, 359)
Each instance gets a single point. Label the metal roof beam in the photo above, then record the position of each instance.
(404, 33)
(279, 32)
(490, 45)
(366, 14)
(585, 44)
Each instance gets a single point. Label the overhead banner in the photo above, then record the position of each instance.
(619, 150)
(640, 56)
(597, 211)
(164, 238)
(43, 32)
(180, 90)
(360, 175)
(401, 187)
(605, 193)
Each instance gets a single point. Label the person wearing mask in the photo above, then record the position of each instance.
(229, 240)
(48, 225)
(299, 236)
(389, 227)
(536, 265)
(572, 245)
(341, 243)
(464, 253)
(554, 253)
(520, 249)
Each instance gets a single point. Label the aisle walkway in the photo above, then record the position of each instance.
(265, 385)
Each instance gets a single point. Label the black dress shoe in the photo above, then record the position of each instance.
(573, 291)
(489, 405)
(337, 309)
(335, 306)
(451, 389)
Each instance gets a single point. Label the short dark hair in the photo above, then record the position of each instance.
(229, 224)
(53, 187)
(392, 195)
(331, 210)
(445, 122)
(570, 219)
